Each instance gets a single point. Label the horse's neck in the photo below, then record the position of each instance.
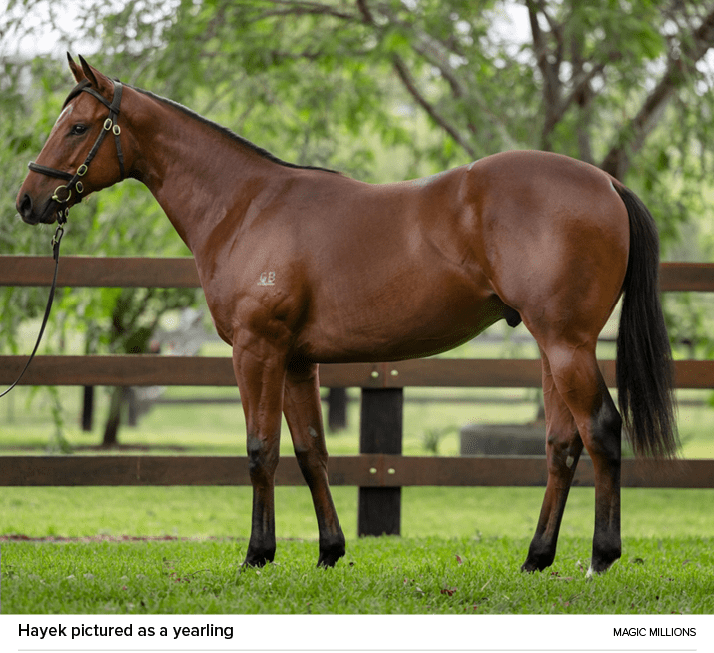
(199, 176)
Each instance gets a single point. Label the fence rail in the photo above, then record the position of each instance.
(149, 369)
(133, 272)
(380, 471)
(364, 470)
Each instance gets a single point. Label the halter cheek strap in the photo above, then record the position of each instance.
(74, 183)
(110, 124)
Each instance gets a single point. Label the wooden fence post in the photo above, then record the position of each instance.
(88, 408)
(379, 509)
(337, 409)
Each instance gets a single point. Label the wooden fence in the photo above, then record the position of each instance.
(380, 471)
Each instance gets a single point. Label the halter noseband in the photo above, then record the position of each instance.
(110, 124)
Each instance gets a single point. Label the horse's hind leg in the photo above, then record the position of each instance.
(578, 379)
(563, 448)
(304, 415)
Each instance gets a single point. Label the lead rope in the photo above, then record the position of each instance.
(56, 239)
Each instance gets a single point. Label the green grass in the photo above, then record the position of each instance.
(463, 559)
(378, 576)
(460, 549)
(426, 512)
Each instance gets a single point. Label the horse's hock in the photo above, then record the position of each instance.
(503, 440)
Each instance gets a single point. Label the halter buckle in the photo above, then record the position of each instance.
(58, 235)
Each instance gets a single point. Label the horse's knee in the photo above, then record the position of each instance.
(262, 459)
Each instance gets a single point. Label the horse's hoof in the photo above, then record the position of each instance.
(254, 562)
(598, 567)
(530, 567)
(258, 559)
(538, 561)
(329, 555)
(605, 553)
(325, 561)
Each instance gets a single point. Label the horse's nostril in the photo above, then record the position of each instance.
(24, 206)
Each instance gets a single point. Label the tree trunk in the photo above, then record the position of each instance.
(111, 428)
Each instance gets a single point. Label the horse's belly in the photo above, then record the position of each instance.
(398, 323)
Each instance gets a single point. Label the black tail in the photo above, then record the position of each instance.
(644, 357)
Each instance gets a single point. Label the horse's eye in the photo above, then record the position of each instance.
(78, 130)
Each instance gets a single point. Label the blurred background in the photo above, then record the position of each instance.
(382, 90)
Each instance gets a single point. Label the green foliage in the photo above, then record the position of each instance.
(432, 437)
(380, 90)
(309, 80)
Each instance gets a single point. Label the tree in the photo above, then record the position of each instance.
(595, 80)
(387, 89)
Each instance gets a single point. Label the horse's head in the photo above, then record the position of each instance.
(72, 164)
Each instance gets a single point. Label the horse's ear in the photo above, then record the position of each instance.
(76, 70)
(96, 79)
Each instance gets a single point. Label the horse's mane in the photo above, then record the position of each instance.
(229, 133)
(205, 121)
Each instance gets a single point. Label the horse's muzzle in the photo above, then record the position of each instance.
(26, 208)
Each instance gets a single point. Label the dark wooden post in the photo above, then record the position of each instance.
(88, 408)
(379, 509)
(337, 409)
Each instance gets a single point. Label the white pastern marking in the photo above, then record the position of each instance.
(267, 279)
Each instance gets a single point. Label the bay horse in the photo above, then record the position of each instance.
(302, 266)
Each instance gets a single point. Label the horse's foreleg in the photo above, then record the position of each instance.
(260, 372)
(563, 448)
(304, 416)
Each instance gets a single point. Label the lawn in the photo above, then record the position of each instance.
(459, 552)
(378, 576)
(462, 560)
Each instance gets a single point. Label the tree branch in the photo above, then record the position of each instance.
(434, 52)
(406, 78)
(300, 8)
(366, 12)
(631, 138)
(549, 62)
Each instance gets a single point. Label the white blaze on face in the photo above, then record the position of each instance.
(63, 117)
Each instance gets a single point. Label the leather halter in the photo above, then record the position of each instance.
(73, 183)
(110, 124)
